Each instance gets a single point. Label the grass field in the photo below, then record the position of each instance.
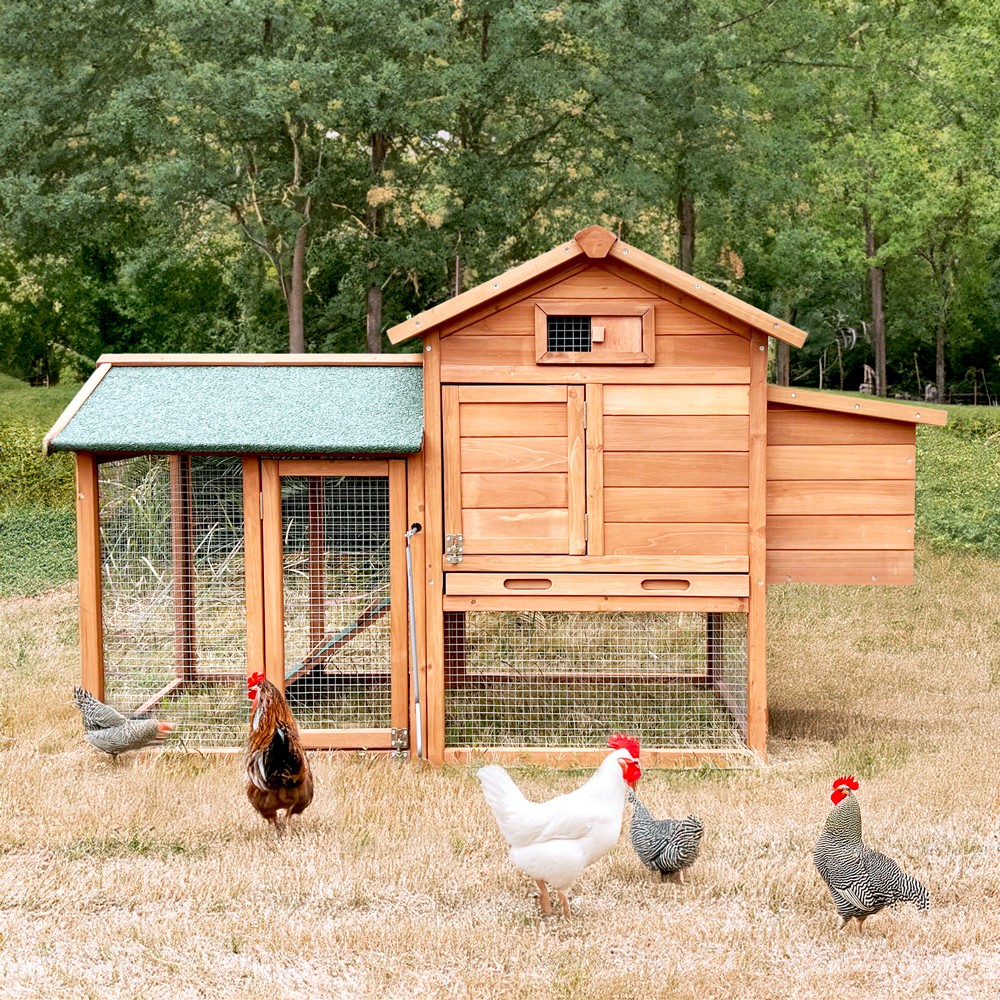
(153, 878)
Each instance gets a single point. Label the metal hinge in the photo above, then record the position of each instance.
(454, 546)
(400, 740)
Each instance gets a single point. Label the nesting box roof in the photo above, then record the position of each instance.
(247, 404)
(595, 243)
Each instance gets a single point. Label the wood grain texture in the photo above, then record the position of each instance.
(644, 504)
(675, 539)
(597, 584)
(868, 567)
(569, 602)
(514, 420)
(88, 549)
(415, 514)
(810, 496)
(522, 489)
(346, 739)
(527, 454)
(701, 563)
(451, 428)
(258, 360)
(577, 475)
(726, 349)
(655, 400)
(595, 470)
(520, 394)
(863, 462)
(676, 433)
(528, 530)
(912, 413)
(253, 563)
(843, 531)
(679, 469)
(788, 426)
(639, 374)
(274, 584)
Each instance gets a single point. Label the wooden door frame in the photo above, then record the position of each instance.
(272, 605)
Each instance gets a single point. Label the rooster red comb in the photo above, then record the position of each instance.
(622, 741)
(838, 794)
(254, 679)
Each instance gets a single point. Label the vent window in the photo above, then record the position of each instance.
(568, 333)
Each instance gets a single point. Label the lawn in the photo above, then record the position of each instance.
(153, 878)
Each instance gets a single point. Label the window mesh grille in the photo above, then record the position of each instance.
(551, 679)
(568, 333)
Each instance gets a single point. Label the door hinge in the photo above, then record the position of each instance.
(454, 547)
(400, 739)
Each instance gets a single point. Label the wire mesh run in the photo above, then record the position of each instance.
(336, 587)
(568, 679)
(174, 593)
(568, 333)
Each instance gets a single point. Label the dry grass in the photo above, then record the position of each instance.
(153, 878)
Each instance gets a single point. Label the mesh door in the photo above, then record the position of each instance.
(335, 531)
(568, 679)
(173, 593)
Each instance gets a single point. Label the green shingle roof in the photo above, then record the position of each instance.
(265, 409)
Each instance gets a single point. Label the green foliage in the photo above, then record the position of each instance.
(958, 482)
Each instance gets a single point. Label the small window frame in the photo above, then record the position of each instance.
(597, 355)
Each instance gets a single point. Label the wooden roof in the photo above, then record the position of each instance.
(862, 406)
(596, 243)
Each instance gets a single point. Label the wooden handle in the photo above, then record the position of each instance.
(673, 586)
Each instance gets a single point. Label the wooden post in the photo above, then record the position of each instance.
(317, 550)
(415, 515)
(274, 584)
(757, 615)
(88, 542)
(183, 566)
(434, 549)
(253, 563)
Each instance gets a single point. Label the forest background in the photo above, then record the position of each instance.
(271, 175)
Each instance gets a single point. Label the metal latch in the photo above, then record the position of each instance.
(454, 547)
(399, 739)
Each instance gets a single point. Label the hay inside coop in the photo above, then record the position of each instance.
(566, 679)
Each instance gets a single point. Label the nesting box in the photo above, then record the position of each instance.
(605, 486)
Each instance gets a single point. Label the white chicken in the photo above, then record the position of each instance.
(552, 842)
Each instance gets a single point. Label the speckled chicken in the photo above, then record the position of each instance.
(110, 731)
(665, 846)
(861, 881)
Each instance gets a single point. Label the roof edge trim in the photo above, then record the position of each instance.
(75, 403)
(862, 406)
(221, 360)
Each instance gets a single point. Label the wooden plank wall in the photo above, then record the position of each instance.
(840, 498)
(691, 347)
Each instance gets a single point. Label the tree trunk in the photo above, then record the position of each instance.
(876, 285)
(296, 295)
(374, 336)
(940, 338)
(783, 363)
(685, 221)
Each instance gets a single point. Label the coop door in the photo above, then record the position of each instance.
(335, 598)
(514, 469)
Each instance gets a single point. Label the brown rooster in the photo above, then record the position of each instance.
(278, 774)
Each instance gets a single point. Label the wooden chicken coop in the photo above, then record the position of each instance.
(605, 485)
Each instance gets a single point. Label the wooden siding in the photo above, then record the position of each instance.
(840, 497)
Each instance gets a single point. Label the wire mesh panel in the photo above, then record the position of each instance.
(174, 593)
(551, 679)
(335, 531)
(568, 333)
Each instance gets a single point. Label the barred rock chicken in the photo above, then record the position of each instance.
(110, 731)
(861, 881)
(664, 845)
(278, 774)
(553, 841)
